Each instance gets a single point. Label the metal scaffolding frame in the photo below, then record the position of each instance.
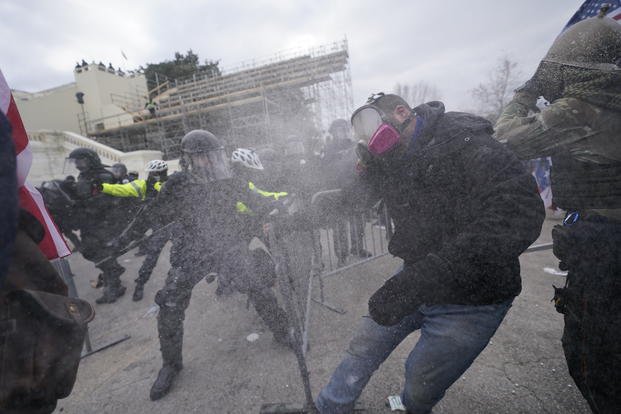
(296, 92)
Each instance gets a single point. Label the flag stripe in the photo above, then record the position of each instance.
(53, 245)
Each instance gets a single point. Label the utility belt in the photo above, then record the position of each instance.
(588, 246)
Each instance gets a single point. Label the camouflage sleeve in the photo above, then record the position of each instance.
(556, 128)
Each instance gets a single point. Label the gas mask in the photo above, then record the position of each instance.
(375, 129)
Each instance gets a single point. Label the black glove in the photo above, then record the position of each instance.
(428, 281)
(394, 300)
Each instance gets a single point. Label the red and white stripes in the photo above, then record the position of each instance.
(53, 245)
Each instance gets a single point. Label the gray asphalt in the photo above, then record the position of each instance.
(521, 371)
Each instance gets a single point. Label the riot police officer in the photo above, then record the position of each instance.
(214, 214)
(99, 220)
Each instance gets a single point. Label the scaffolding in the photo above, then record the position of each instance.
(296, 93)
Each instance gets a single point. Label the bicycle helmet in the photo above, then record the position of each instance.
(247, 157)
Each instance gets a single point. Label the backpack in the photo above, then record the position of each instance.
(42, 330)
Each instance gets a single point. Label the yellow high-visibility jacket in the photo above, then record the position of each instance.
(242, 208)
(136, 188)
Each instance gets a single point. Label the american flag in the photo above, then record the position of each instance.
(53, 245)
(591, 8)
(540, 168)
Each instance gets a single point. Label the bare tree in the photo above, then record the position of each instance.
(417, 93)
(492, 95)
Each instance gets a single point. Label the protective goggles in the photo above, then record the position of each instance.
(372, 127)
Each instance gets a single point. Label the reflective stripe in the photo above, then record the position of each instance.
(268, 194)
(242, 208)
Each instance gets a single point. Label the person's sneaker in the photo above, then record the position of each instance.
(111, 295)
(138, 292)
(96, 284)
(395, 404)
(164, 381)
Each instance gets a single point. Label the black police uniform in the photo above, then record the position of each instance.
(210, 235)
(100, 220)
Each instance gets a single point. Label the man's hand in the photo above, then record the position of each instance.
(393, 301)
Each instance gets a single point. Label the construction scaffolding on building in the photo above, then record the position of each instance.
(296, 93)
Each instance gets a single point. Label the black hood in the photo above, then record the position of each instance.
(454, 125)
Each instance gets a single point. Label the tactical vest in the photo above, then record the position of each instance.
(580, 185)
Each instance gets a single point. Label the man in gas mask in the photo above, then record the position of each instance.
(464, 210)
(215, 214)
(581, 131)
(99, 219)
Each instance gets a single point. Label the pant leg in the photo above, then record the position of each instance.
(153, 250)
(238, 263)
(357, 232)
(341, 249)
(173, 299)
(266, 305)
(370, 346)
(452, 336)
(112, 272)
(591, 338)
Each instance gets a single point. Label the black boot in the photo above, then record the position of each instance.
(164, 381)
(138, 292)
(266, 305)
(111, 294)
(113, 289)
(170, 332)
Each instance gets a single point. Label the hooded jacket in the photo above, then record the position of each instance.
(464, 209)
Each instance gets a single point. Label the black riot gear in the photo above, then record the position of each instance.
(85, 159)
(204, 157)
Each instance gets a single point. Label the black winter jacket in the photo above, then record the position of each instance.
(464, 209)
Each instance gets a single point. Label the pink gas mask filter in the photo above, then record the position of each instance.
(385, 138)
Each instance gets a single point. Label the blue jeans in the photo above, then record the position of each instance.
(452, 336)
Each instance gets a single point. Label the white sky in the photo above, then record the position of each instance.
(451, 44)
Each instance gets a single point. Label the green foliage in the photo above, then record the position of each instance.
(181, 67)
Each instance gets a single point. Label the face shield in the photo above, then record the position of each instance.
(210, 165)
(371, 126)
(74, 166)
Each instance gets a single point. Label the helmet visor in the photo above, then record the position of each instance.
(213, 165)
(366, 122)
(75, 165)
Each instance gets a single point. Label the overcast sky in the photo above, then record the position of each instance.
(451, 44)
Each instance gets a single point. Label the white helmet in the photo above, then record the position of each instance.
(247, 157)
(156, 166)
